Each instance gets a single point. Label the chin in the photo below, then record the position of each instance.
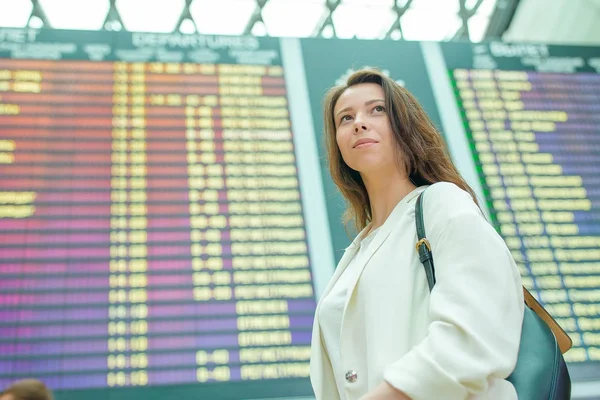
(367, 168)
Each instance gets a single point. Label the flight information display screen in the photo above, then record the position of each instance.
(151, 223)
(532, 116)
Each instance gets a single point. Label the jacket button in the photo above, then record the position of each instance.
(351, 376)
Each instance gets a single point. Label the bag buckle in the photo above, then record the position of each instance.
(421, 242)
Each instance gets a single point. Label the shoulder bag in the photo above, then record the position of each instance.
(541, 371)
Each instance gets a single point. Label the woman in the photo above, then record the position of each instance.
(378, 332)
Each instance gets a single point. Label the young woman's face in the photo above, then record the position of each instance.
(363, 131)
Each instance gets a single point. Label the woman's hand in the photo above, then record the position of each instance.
(385, 391)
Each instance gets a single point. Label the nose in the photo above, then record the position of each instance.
(359, 126)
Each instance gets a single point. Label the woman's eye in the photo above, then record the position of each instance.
(379, 108)
(345, 118)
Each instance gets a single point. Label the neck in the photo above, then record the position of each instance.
(385, 191)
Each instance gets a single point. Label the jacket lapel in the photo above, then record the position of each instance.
(363, 259)
(319, 363)
(377, 241)
(344, 261)
(319, 359)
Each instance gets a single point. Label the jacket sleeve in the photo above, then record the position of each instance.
(476, 306)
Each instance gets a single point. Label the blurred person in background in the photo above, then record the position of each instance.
(379, 333)
(26, 389)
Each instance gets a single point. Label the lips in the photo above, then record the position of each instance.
(364, 141)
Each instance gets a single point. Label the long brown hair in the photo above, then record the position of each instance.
(421, 149)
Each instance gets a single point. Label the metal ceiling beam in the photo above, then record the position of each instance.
(501, 18)
(328, 22)
(399, 10)
(465, 14)
(256, 16)
(186, 14)
(113, 16)
(38, 11)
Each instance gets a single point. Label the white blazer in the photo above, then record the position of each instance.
(460, 342)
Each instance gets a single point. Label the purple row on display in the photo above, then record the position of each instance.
(23, 333)
(160, 377)
(21, 316)
(170, 342)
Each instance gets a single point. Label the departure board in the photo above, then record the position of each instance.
(151, 222)
(532, 117)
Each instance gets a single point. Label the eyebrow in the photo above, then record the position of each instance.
(366, 104)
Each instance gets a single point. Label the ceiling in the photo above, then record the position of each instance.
(556, 22)
(542, 21)
(434, 20)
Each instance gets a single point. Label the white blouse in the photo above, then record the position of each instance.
(332, 310)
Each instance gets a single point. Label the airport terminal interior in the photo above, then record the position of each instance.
(168, 220)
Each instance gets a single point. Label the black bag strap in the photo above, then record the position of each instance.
(426, 257)
(423, 246)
